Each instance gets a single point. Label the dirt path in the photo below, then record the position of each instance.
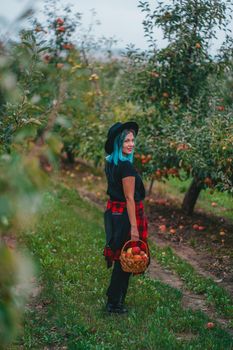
(189, 299)
(195, 258)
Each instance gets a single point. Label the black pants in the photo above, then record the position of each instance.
(117, 289)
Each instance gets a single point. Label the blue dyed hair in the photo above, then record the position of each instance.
(117, 149)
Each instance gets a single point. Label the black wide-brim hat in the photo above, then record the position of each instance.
(115, 130)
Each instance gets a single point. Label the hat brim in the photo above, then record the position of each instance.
(109, 145)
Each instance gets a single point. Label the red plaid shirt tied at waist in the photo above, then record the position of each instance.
(117, 227)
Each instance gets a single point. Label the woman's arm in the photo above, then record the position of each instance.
(128, 187)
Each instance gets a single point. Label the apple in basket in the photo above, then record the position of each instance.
(129, 250)
(136, 250)
(137, 257)
(144, 257)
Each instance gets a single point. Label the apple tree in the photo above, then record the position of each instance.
(174, 87)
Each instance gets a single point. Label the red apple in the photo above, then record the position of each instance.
(210, 325)
(47, 58)
(144, 257)
(60, 65)
(68, 46)
(220, 108)
(61, 29)
(60, 21)
(48, 168)
(136, 250)
(163, 228)
(172, 231)
(137, 257)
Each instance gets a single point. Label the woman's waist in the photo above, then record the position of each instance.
(121, 205)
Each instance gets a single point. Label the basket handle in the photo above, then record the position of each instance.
(131, 240)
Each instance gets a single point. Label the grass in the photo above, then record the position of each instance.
(69, 313)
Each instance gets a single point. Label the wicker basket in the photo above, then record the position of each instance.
(132, 263)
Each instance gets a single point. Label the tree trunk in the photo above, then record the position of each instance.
(191, 196)
(70, 156)
(150, 187)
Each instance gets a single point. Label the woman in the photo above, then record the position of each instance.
(124, 216)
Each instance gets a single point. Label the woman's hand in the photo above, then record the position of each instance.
(134, 233)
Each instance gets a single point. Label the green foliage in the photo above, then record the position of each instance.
(16, 272)
(27, 144)
(179, 72)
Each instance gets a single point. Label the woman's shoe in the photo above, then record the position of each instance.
(116, 308)
(123, 309)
